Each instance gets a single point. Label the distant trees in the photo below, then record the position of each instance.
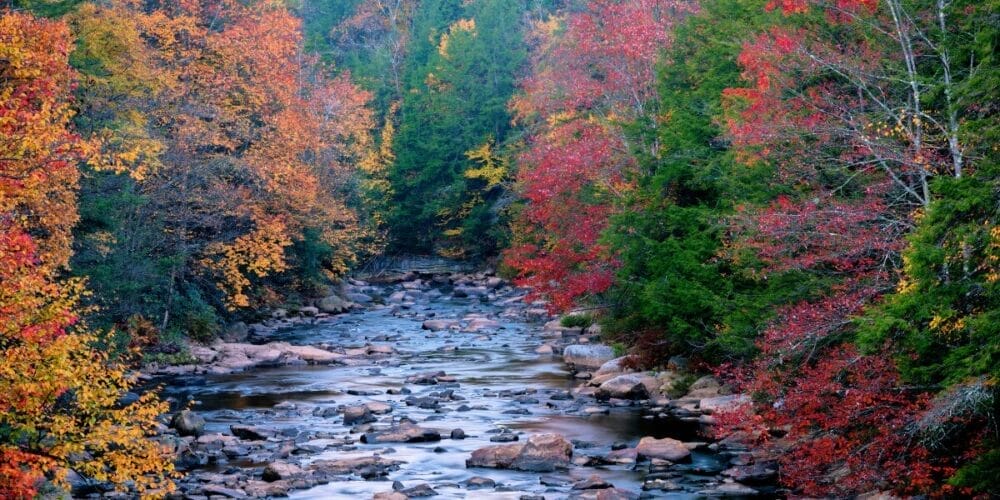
(460, 71)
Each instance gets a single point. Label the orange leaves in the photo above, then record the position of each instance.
(234, 128)
(260, 253)
(58, 395)
(37, 152)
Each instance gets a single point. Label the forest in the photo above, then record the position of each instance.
(798, 197)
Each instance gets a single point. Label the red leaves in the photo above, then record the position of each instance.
(586, 81)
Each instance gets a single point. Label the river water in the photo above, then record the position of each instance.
(504, 383)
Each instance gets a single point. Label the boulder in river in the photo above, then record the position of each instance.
(626, 386)
(402, 433)
(588, 355)
(334, 305)
(276, 471)
(366, 467)
(665, 449)
(541, 453)
(360, 414)
(436, 325)
(250, 432)
(594, 482)
(188, 423)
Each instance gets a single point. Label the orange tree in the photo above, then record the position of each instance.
(59, 397)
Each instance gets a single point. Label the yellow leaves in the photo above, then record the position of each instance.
(492, 167)
(260, 252)
(462, 26)
(993, 255)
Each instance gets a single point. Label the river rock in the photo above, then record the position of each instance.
(360, 298)
(378, 407)
(402, 433)
(366, 467)
(188, 423)
(427, 378)
(594, 482)
(495, 457)
(390, 495)
(479, 324)
(587, 355)
(707, 387)
(544, 453)
(729, 490)
(360, 414)
(478, 483)
(758, 473)
(276, 471)
(722, 403)
(541, 453)
(309, 311)
(616, 494)
(626, 386)
(250, 433)
(437, 325)
(222, 491)
(334, 305)
(419, 491)
(666, 449)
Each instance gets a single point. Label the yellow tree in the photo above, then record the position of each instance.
(59, 397)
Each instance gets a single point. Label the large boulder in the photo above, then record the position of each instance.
(334, 304)
(544, 453)
(188, 423)
(495, 457)
(627, 386)
(402, 433)
(722, 403)
(589, 356)
(276, 471)
(360, 414)
(665, 449)
(367, 467)
(541, 453)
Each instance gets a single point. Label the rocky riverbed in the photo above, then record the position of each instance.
(446, 385)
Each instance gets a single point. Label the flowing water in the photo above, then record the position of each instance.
(496, 373)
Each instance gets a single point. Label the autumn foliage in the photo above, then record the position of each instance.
(59, 395)
(592, 72)
(241, 142)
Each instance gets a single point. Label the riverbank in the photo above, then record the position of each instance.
(443, 384)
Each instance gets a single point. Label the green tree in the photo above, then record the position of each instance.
(461, 73)
(675, 287)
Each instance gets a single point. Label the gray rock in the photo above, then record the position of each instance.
(222, 491)
(402, 433)
(478, 483)
(354, 415)
(188, 423)
(419, 491)
(334, 305)
(588, 355)
(627, 386)
(250, 432)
